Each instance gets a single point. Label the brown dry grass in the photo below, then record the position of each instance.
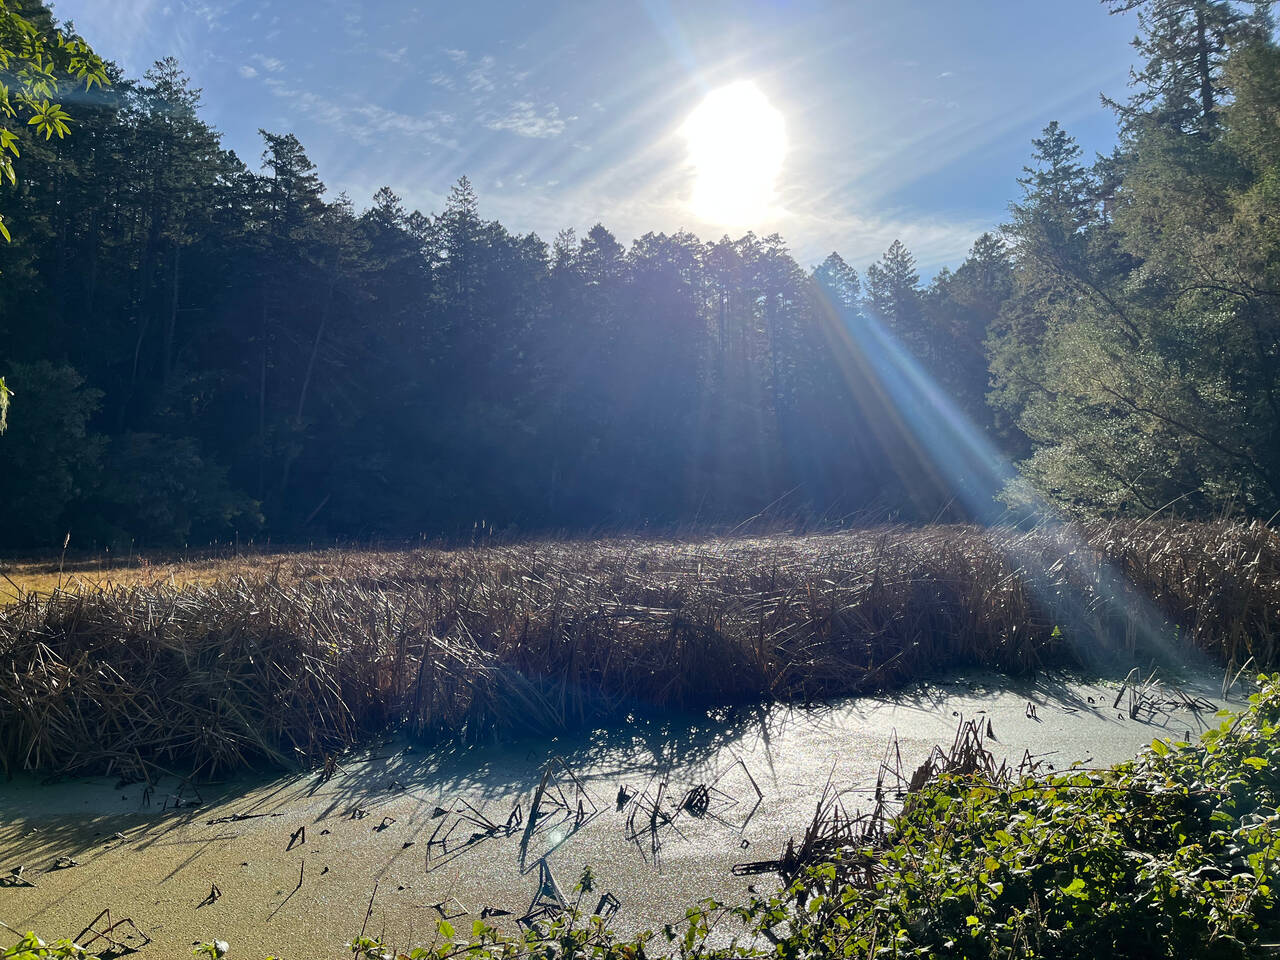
(292, 657)
(96, 572)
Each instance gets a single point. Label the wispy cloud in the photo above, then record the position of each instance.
(488, 84)
(525, 119)
(366, 123)
(478, 73)
(248, 72)
(480, 76)
(210, 13)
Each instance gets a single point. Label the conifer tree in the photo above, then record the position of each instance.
(893, 296)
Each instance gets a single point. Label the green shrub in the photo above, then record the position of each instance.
(1171, 855)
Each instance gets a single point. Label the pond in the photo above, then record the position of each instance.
(660, 810)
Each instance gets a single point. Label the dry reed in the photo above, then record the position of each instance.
(543, 636)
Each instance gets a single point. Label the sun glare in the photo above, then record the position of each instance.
(737, 140)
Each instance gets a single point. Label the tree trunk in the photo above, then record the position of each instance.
(262, 405)
(1203, 66)
(311, 366)
(91, 291)
(171, 324)
(141, 289)
(315, 344)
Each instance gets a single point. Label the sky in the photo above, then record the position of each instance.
(908, 120)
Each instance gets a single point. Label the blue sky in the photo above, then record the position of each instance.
(906, 120)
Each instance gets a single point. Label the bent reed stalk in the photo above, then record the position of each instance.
(543, 636)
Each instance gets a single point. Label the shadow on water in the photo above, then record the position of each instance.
(643, 746)
(651, 745)
(419, 779)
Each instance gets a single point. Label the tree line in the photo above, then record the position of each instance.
(199, 347)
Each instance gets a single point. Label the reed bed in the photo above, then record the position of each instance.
(543, 636)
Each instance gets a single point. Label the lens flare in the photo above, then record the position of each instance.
(737, 141)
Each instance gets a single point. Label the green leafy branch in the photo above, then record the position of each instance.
(35, 65)
(31, 947)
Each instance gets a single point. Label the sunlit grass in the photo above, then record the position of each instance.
(86, 575)
(39, 579)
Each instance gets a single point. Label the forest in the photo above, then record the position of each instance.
(201, 346)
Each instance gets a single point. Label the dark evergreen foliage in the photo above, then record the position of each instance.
(209, 349)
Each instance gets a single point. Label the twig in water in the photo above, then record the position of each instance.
(368, 913)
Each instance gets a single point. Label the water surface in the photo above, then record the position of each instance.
(155, 858)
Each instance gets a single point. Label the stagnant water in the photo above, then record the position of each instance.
(399, 836)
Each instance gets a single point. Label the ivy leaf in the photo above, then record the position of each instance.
(1075, 889)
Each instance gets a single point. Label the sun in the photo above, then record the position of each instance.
(737, 141)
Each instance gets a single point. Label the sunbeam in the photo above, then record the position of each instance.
(956, 460)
